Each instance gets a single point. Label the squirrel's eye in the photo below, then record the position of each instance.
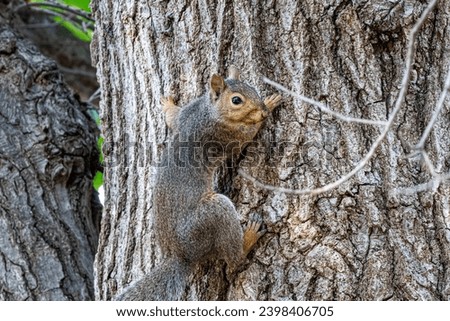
(236, 100)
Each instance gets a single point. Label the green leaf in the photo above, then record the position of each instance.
(94, 115)
(81, 4)
(84, 35)
(98, 180)
(77, 32)
(99, 146)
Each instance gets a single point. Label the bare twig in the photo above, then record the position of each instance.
(420, 148)
(440, 104)
(52, 13)
(368, 156)
(77, 12)
(323, 107)
(431, 185)
(41, 25)
(94, 96)
(64, 16)
(78, 72)
(428, 163)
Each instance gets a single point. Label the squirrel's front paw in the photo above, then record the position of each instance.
(272, 101)
(167, 103)
(253, 232)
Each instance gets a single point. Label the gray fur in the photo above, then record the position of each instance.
(192, 222)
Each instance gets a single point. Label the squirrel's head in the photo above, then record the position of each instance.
(237, 103)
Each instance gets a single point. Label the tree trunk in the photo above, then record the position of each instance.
(47, 157)
(364, 240)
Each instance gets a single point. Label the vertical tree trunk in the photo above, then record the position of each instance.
(47, 157)
(364, 240)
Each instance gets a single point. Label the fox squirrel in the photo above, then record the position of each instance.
(192, 222)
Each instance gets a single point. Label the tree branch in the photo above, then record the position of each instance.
(420, 145)
(323, 107)
(77, 12)
(431, 185)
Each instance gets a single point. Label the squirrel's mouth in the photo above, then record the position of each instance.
(256, 117)
(253, 117)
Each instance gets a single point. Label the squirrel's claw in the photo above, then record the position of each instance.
(255, 222)
(170, 110)
(167, 103)
(272, 101)
(253, 232)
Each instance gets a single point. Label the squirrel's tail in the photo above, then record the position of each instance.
(166, 282)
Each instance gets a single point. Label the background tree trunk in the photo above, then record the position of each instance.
(362, 240)
(48, 156)
(72, 55)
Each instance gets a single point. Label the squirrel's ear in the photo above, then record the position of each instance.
(234, 73)
(217, 86)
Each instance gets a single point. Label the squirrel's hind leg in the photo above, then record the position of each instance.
(231, 243)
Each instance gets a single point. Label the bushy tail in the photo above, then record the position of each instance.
(166, 282)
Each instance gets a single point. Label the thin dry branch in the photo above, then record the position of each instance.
(420, 145)
(420, 148)
(323, 107)
(78, 72)
(94, 96)
(65, 17)
(368, 156)
(428, 163)
(59, 6)
(433, 185)
(41, 25)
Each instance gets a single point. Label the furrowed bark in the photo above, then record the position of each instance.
(364, 240)
(48, 156)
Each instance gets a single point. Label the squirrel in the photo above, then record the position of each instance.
(192, 222)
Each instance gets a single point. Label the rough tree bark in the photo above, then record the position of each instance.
(47, 158)
(56, 42)
(361, 241)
